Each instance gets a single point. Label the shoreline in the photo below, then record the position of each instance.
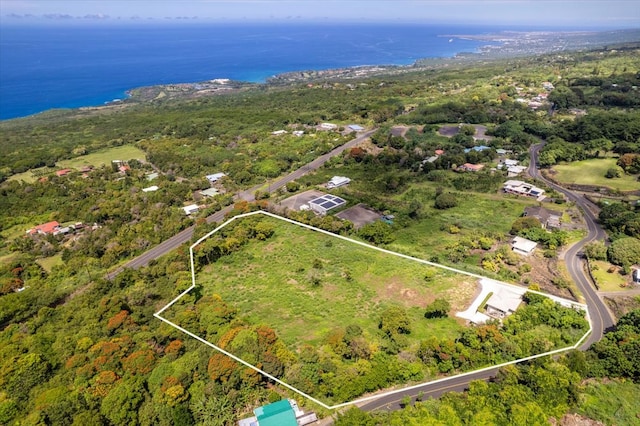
(500, 45)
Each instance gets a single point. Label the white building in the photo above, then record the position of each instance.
(519, 187)
(523, 246)
(323, 204)
(215, 177)
(150, 189)
(190, 209)
(503, 302)
(338, 181)
(328, 126)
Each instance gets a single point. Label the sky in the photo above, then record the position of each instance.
(542, 13)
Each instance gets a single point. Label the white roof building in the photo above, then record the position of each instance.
(215, 177)
(503, 302)
(209, 192)
(190, 209)
(328, 126)
(150, 189)
(523, 246)
(519, 187)
(337, 181)
(279, 132)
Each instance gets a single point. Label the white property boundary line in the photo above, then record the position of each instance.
(565, 302)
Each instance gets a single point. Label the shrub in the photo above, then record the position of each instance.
(446, 201)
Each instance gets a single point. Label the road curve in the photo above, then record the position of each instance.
(186, 234)
(601, 319)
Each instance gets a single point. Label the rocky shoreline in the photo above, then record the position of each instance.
(499, 46)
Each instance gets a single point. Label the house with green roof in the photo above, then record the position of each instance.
(281, 413)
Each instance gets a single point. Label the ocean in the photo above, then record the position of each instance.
(44, 67)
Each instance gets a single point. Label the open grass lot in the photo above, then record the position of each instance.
(104, 157)
(304, 284)
(95, 159)
(591, 172)
(475, 213)
(609, 281)
(48, 263)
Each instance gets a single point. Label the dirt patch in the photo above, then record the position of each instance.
(295, 201)
(462, 294)
(620, 305)
(359, 215)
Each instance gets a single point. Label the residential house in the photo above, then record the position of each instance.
(210, 192)
(523, 246)
(503, 302)
(215, 177)
(478, 148)
(45, 229)
(439, 152)
(468, 167)
(356, 127)
(282, 413)
(338, 181)
(150, 189)
(550, 219)
(190, 209)
(63, 172)
(524, 189)
(297, 133)
(328, 126)
(279, 132)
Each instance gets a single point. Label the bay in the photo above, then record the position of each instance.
(44, 67)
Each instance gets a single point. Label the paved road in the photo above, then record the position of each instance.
(601, 319)
(186, 234)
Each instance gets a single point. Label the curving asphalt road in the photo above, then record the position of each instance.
(601, 319)
(186, 234)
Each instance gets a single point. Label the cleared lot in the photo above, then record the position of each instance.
(359, 215)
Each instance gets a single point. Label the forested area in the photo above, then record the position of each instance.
(78, 349)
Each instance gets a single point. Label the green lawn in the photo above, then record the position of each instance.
(591, 172)
(95, 159)
(608, 281)
(48, 263)
(475, 213)
(105, 156)
(271, 282)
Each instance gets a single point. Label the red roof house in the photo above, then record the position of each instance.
(439, 151)
(471, 167)
(45, 228)
(63, 172)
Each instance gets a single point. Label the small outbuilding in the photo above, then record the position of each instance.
(209, 192)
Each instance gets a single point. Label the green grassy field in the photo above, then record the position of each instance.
(608, 281)
(271, 282)
(95, 159)
(48, 263)
(591, 172)
(486, 213)
(104, 157)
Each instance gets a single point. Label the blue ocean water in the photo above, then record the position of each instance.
(44, 67)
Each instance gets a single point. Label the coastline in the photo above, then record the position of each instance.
(499, 45)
